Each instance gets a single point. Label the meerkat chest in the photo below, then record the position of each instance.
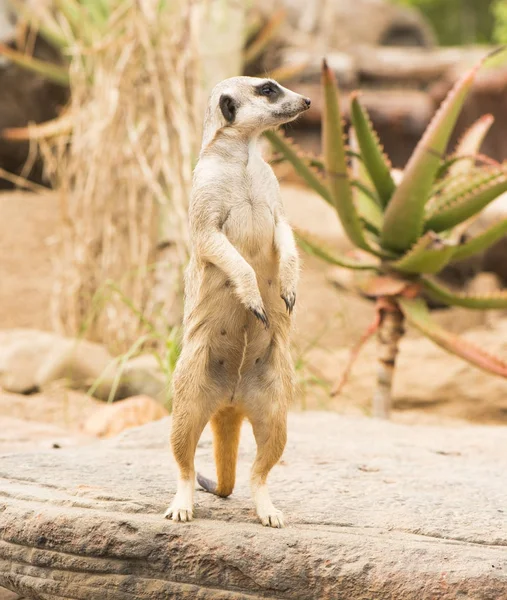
(251, 221)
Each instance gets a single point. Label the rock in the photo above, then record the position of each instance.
(347, 24)
(426, 376)
(6, 595)
(30, 360)
(375, 510)
(142, 375)
(19, 435)
(112, 419)
(67, 409)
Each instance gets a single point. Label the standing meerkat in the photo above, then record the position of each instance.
(240, 289)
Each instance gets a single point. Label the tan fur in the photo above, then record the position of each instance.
(239, 291)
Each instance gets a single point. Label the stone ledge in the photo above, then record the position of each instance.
(375, 511)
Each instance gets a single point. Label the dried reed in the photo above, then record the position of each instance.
(124, 173)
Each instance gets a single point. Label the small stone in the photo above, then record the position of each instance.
(111, 419)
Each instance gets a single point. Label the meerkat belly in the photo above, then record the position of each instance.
(219, 329)
(250, 227)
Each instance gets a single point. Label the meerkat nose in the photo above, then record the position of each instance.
(307, 101)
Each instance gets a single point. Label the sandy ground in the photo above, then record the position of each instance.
(27, 224)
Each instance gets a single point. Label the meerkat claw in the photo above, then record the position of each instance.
(262, 316)
(290, 301)
(273, 520)
(182, 514)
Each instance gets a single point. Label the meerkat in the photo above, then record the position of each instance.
(240, 291)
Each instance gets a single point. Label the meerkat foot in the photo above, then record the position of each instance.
(267, 513)
(181, 515)
(181, 508)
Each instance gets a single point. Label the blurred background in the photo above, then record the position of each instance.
(101, 108)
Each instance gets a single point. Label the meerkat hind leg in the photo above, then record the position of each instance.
(187, 427)
(271, 435)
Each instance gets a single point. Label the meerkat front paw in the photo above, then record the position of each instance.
(288, 282)
(249, 294)
(290, 300)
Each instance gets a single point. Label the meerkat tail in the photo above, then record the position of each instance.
(207, 484)
(226, 427)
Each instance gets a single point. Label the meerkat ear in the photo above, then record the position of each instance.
(228, 107)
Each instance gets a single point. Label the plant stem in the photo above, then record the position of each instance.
(389, 334)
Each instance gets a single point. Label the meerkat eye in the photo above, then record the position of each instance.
(269, 89)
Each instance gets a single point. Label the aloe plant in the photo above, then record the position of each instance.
(407, 232)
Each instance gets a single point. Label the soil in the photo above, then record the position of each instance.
(327, 317)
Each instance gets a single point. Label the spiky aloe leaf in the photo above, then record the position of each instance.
(55, 73)
(463, 207)
(367, 202)
(369, 211)
(335, 161)
(429, 255)
(376, 162)
(482, 241)
(311, 245)
(403, 222)
(470, 143)
(454, 187)
(294, 155)
(485, 302)
(417, 314)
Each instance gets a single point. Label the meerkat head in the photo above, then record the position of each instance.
(250, 105)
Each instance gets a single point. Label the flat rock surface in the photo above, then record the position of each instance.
(375, 511)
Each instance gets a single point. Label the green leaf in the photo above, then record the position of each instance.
(336, 163)
(454, 187)
(375, 161)
(470, 144)
(366, 201)
(404, 217)
(55, 73)
(496, 300)
(429, 255)
(417, 314)
(317, 248)
(482, 241)
(368, 209)
(78, 20)
(296, 158)
(463, 207)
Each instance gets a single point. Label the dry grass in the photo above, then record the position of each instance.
(124, 174)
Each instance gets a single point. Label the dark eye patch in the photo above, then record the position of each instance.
(270, 90)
